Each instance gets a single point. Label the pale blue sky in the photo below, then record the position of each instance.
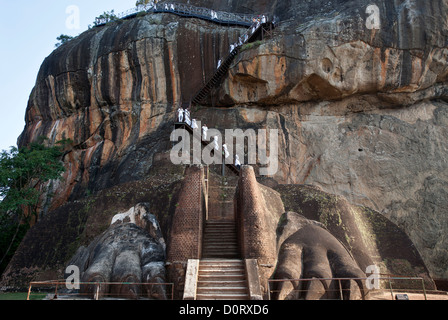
(28, 32)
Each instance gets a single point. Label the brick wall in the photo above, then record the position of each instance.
(186, 230)
(256, 227)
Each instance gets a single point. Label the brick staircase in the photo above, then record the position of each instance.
(220, 240)
(221, 274)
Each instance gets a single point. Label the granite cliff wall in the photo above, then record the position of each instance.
(362, 113)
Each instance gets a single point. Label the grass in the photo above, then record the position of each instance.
(20, 296)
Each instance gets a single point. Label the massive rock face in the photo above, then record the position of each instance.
(362, 113)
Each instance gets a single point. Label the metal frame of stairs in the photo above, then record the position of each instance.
(221, 274)
(256, 30)
(185, 10)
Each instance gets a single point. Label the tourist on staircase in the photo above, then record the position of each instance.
(194, 124)
(180, 115)
(237, 162)
(187, 117)
(225, 151)
(204, 132)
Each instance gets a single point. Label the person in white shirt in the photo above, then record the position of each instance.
(180, 115)
(194, 124)
(204, 132)
(187, 117)
(226, 151)
(215, 140)
(237, 162)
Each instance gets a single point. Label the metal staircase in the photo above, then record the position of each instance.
(222, 70)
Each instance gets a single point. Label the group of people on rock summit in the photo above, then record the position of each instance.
(184, 116)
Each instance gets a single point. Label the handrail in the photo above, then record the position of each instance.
(188, 10)
(389, 279)
(62, 283)
(254, 22)
(247, 37)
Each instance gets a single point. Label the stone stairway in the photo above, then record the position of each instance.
(220, 240)
(222, 279)
(221, 275)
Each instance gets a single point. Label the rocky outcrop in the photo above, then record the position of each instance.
(362, 112)
(112, 91)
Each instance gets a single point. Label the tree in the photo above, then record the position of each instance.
(63, 38)
(144, 3)
(106, 17)
(22, 171)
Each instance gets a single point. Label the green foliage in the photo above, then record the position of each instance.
(21, 296)
(107, 16)
(251, 45)
(22, 172)
(144, 3)
(63, 38)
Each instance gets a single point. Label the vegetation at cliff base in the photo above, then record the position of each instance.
(22, 174)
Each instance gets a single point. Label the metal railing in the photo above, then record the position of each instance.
(186, 10)
(57, 290)
(338, 290)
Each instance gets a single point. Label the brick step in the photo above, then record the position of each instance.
(220, 245)
(222, 283)
(222, 290)
(221, 277)
(217, 248)
(214, 273)
(220, 254)
(221, 271)
(228, 229)
(222, 296)
(230, 262)
(223, 266)
(230, 232)
(216, 242)
(224, 247)
(221, 223)
(220, 236)
(223, 187)
(220, 241)
(220, 233)
(219, 251)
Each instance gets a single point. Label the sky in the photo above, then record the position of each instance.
(28, 32)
